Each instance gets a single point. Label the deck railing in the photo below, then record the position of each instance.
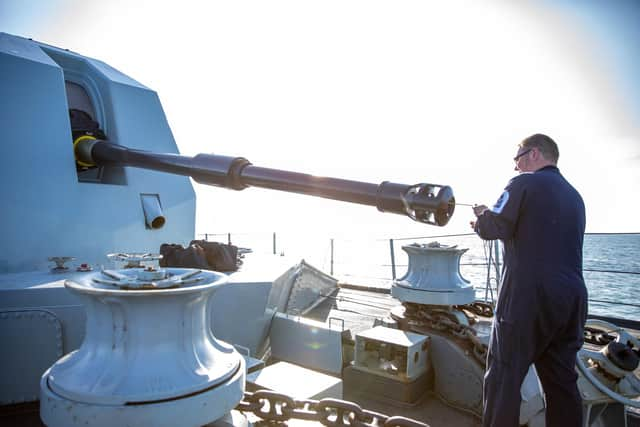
(272, 243)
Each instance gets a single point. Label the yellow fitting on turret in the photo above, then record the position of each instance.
(82, 150)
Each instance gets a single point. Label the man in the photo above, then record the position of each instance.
(542, 305)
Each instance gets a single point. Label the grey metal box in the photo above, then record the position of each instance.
(360, 384)
(392, 353)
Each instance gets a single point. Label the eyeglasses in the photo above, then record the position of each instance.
(515, 159)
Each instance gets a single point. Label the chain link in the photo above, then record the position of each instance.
(597, 336)
(277, 407)
(479, 308)
(273, 406)
(441, 320)
(425, 317)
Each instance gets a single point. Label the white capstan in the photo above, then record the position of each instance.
(148, 356)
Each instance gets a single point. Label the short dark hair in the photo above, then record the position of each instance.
(544, 144)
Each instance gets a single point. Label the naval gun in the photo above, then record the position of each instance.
(426, 203)
(110, 193)
(129, 183)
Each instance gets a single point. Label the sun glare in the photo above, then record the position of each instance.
(373, 91)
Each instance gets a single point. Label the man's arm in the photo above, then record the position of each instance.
(499, 221)
(491, 226)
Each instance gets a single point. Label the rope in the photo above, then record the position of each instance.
(487, 245)
(430, 237)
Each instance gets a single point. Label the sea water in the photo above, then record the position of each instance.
(611, 262)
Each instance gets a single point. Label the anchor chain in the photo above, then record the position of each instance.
(277, 407)
(443, 321)
(480, 308)
(421, 318)
(597, 336)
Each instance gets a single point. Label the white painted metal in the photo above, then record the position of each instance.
(458, 380)
(392, 353)
(153, 215)
(147, 278)
(146, 346)
(23, 360)
(306, 342)
(236, 311)
(84, 220)
(193, 411)
(301, 289)
(433, 276)
(296, 381)
(135, 260)
(625, 389)
(239, 312)
(532, 401)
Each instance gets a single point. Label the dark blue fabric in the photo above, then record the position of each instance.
(542, 305)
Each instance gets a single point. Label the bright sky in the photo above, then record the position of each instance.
(407, 91)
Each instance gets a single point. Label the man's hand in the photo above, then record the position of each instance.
(479, 209)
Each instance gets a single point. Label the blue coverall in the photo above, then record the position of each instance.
(542, 305)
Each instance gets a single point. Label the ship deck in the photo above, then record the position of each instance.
(362, 307)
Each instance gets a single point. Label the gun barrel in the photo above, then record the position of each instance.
(363, 193)
(427, 203)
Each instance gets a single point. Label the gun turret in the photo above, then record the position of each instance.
(426, 203)
(101, 208)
